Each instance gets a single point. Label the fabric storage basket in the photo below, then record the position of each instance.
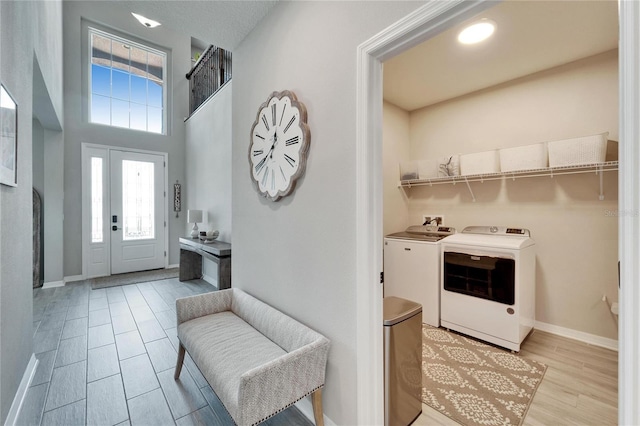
(576, 151)
(479, 163)
(526, 157)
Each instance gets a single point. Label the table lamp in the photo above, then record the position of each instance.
(194, 216)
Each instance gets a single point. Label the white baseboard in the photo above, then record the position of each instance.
(52, 284)
(73, 278)
(305, 407)
(591, 339)
(177, 265)
(27, 377)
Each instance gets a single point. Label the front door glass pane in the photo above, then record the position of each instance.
(137, 200)
(96, 200)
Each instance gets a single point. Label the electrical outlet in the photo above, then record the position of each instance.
(433, 219)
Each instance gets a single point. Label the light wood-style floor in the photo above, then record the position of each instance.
(580, 386)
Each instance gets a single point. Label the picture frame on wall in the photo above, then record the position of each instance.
(8, 138)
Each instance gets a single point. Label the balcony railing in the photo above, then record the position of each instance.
(210, 73)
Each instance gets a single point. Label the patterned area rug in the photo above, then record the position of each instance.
(133, 278)
(475, 383)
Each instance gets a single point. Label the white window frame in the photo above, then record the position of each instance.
(111, 34)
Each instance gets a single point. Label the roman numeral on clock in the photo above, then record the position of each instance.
(292, 141)
(273, 114)
(282, 115)
(260, 165)
(264, 176)
(257, 152)
(290, 160)
(264, 120)
(273, 179)
(289, 125)
(258, 136)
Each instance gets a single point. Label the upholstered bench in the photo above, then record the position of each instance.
(256, 359)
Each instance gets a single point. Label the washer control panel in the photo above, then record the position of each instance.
(496, 230)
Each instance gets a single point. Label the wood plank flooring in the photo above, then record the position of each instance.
(580, 386)
(107, 357)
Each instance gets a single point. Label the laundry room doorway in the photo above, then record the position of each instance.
(425, 23)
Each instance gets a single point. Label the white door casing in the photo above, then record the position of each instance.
(105, 251)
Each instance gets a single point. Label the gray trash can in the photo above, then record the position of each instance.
(402, 361)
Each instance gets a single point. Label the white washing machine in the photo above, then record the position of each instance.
(488, 284)
(412, 267)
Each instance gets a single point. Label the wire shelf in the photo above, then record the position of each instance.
(597, 168)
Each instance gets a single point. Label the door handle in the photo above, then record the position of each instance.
(407, 249)
(115, 228)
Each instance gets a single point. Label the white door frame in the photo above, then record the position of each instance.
(86, 214)
(422, 24)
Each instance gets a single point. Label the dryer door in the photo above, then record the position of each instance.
(486, 277)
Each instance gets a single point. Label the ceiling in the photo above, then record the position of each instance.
(222, 23)
(531, 36)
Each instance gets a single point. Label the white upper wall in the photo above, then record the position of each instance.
(208, 184)
(395, 149)
(298, 254)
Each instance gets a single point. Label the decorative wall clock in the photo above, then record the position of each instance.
(279, 145)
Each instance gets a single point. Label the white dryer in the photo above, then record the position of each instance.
(412, 267)
(488, 284)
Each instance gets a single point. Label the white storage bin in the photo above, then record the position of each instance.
(449, 165)
(409, 170)
(576, 151)
(428, 169)
(526, 157)
(480, 163)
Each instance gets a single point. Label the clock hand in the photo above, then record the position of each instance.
(275, 141)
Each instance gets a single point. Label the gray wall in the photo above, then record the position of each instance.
(38, 157)
(78, 130)
(28, 31)
(299, 254)
(38, 179)
(208, 171)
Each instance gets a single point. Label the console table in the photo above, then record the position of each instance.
(193, 250)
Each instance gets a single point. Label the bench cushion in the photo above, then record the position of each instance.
(225, 344)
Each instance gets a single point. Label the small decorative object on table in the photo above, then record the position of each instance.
(194, 216)
(207, 237)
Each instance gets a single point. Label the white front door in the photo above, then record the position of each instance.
(137, 215)
(124, 225)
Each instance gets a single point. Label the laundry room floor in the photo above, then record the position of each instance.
(580, 385)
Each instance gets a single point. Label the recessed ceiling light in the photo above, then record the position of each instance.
(477, 32)
(149, 23)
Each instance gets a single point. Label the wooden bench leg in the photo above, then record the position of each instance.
(179, 362)
(316, 401)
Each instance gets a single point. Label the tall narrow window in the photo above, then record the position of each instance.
(137, 200)
(127, 83)
(96, 200)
